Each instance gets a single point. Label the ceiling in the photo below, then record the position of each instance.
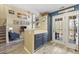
(35, 8)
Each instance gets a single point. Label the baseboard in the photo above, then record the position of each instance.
(27, 50)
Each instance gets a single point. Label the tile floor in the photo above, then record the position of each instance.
(49, 48)
(13, 48)
(19, 49)
(54, 48)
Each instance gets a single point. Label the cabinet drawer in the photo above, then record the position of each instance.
(37, 43)
(40, 39)
(38, 35)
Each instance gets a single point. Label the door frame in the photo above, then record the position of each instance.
(73, 46)
(53, 28)
(65, 15)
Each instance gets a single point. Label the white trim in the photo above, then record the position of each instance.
(27, 50)
(66, 10)
(7, 39)
(78, 30)
(74, 46)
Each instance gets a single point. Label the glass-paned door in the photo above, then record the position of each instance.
(73, 29)
(57, 28)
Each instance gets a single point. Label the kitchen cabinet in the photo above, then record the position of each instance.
(45, 38)
(40, 39)
(33, 40)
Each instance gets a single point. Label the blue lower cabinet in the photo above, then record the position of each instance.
(38, 43)
(45, 37)
(40, 39)
(13, 36)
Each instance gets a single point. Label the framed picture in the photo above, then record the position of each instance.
(11, 12)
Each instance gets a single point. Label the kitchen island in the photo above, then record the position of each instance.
(34, 39)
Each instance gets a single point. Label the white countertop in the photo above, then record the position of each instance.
(39, 31)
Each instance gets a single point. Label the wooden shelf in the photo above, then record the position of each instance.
(2, 38)
(58, 29)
